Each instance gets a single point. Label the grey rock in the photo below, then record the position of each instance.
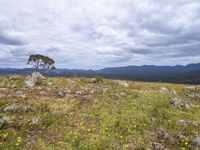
(79, 92)
(43, 93)
(39, 88)
(195, 142)
(153, 119)
(122, 83)
(190, 88)
(1, 121)
(174, 92)
(37, 120)
(194, 96)
(27, 108)
(188, 123)
(14, 77)
(105, 90)
(20, 94)
(164, 89)
(157, 146)
(29, 81)
(67, 91)
(181, 137)
(15, 107)
(61, 94)
(37, 75)
(14, 86)
(178, 103)
(21, 117)
(164, 135)
(87, 97)
(1, 96)
(12, 108)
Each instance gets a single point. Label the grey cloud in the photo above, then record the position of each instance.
(11, 40)
(142, 51)
(93, 34)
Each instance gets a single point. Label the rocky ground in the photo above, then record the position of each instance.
(38, 113)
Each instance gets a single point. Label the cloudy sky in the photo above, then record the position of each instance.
(92, 34)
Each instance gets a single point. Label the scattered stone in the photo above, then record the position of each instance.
(1, 121)
(29, 81)
(12, 108)
(188, 123)
(105, 90)
(1, 96)
(164, 89)
(194, 96)
(181, 137)
(122, 94)
(178, 103)
(174, 92)
(86, 97)
(21, 117)
(27, 108)
(190, 88)
(122, 83)
(97, 79)
(195, 142)
(164, 136)
(20, 94)
(14, 77)
(153, 119)
(39, 88)
(61, 94)
(15, 107)
(14, 86)
(157, 146)
(37, 75)
(43, 93)
(79, 92)
(37, 120)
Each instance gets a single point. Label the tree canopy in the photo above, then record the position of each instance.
(41, 62)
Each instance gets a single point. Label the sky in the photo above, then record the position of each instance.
(93, 34)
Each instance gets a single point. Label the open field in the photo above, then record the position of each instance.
(97, 114)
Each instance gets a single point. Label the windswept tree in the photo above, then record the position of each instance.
(41, 62)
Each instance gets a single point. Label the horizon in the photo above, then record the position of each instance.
(110, 67)
(93, 35)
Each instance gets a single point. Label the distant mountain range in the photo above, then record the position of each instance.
(174, 74)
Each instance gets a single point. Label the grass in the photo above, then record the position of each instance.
(102, 115)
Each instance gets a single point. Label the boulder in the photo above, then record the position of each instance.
(61, 94)
(164, 89)
(178, 103)
(188, 123)
(15, 107)
(30, 81)
(195, 142)
(37, 120)
(194, 96)
(12, 108)
(37, 75)
(190, 88)
(163, 135)
(157, 146)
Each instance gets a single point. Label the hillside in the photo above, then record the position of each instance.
(189, 74)
(40, 113)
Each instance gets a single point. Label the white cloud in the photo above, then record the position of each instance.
(100, 33)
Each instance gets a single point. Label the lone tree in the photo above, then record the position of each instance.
(41, 62)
